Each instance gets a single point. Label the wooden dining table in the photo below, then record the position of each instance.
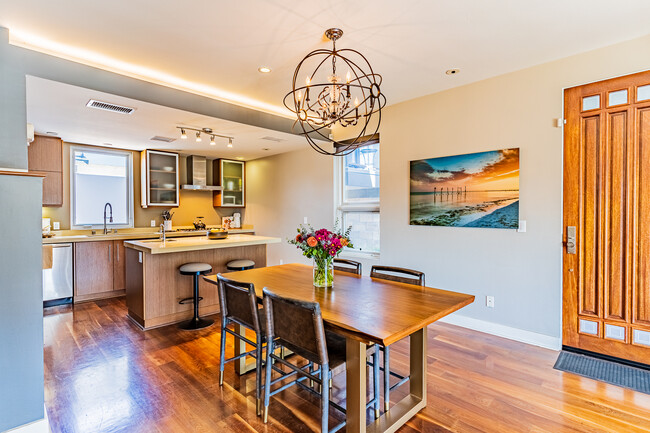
(366, 310)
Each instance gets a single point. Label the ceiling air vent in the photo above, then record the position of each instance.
(277, 140)
(107, 106)
(163, 139)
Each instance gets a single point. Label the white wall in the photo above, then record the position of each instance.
(522, 270)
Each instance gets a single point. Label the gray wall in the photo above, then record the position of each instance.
(21, 308)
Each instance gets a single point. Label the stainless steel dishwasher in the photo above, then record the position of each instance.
(57, 281)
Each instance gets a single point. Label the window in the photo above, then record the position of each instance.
(357, 180)
(99, 177)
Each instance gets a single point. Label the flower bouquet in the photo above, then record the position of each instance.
(322, 246)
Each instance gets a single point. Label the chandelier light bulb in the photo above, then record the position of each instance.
(308, 81)
(183, 134)
(348, 78)
(356, 102)
(198, 137)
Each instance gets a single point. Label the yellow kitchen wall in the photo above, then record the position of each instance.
(191, 205)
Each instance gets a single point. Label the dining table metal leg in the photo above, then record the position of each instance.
(355, 390)
(407, 407)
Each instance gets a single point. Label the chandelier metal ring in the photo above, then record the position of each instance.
(326, 99)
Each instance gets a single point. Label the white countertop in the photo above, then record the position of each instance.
(130, 235)
(195, 243)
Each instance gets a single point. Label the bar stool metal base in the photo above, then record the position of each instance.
(196, 323)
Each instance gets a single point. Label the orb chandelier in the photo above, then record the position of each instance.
(321, 98)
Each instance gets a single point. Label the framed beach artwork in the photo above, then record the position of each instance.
(471, 190)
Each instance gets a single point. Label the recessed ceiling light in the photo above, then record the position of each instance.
(240, 158)
(452, 71)
(52, 133)
(264, 69)
(265, 148)
(108, 144)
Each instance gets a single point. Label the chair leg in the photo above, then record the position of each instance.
(386, 378)
(267, 381)
(375, 381)
(325, 397)
(258, 376)
(222, 355)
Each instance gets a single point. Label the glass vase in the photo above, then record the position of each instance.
(323, 272)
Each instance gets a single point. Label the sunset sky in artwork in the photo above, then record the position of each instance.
(484, 171)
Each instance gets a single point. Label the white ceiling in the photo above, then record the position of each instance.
(217, 46)
(61, 108)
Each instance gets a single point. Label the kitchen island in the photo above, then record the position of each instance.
(154, 286)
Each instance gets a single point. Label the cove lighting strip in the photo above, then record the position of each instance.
(101, 61)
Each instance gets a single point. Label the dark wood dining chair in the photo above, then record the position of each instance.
(345, 265)
(401, 275)
(298, 326)
(239, 305)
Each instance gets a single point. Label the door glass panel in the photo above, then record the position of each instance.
(643, 93)
(617, 98)
(590, 102)
(641, 337)
(588, 327)
(615, 332)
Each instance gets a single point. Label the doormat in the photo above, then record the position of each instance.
(626, 376)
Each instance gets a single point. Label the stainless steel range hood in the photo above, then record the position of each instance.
(197, 175)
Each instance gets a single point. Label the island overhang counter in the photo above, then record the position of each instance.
(154, 285)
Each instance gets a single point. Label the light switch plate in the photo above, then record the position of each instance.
(489, 301)
(56, 225)
(139, 256)
(153, 223)
(305, 220)
(522, 226)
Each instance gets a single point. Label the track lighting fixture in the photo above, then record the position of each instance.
(208, 132)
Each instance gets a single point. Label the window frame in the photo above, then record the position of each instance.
(341, 206)
(130, 193)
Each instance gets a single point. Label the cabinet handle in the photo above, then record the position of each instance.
(109, 252)
(117, 253)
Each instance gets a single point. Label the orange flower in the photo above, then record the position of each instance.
(311, 241)
(344, 242)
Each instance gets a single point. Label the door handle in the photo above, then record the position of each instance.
(109, 253)
(571, 240)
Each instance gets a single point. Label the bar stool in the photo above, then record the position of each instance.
(196, 270)
(240, 265)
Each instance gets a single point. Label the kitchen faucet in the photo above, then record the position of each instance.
(163, 237)
(110, 217)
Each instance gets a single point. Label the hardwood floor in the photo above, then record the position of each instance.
(102, 374)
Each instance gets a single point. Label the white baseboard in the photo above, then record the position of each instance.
(528, 337)
(40, 426)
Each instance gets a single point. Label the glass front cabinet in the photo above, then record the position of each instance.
(230, 175)
(159, 178)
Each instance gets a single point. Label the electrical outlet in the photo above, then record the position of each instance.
(56, 225)
(305, 220)
(522, 226)
(153, 223)
(489, 301)
(281, 261)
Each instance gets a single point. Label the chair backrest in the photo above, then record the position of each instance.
(239, 303)
(401, 275)
(298, 325)
(345, 265)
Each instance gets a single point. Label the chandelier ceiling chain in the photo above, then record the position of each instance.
(326, 100)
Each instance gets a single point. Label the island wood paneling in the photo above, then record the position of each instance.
(163, 286)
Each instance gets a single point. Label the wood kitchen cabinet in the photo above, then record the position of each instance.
(119, 266)
(93, 269)
(231, 176)
(99, 270)
(45, 157)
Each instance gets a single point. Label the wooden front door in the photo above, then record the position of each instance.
(606, 260)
